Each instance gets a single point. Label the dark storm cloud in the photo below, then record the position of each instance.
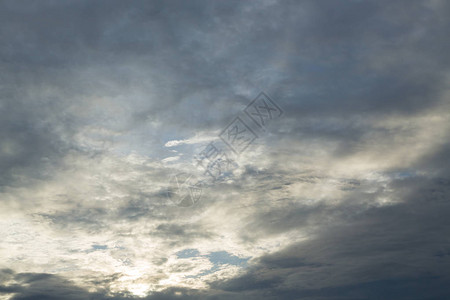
(378, 250)
(91, 49)
(220, 47)
(32, 286)
(28, 143)
(379, 56)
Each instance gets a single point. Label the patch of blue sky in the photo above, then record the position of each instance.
(218, 259)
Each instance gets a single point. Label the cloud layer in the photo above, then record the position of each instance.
(345, 196)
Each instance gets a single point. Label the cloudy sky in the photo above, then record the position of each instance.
(108, 110)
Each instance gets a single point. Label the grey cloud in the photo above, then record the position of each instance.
(86, 85)
(365, 251)
(44, 286)
(181, 234)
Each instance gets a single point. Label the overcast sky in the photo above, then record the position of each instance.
(343, 193)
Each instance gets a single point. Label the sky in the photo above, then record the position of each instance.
(267, 149)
